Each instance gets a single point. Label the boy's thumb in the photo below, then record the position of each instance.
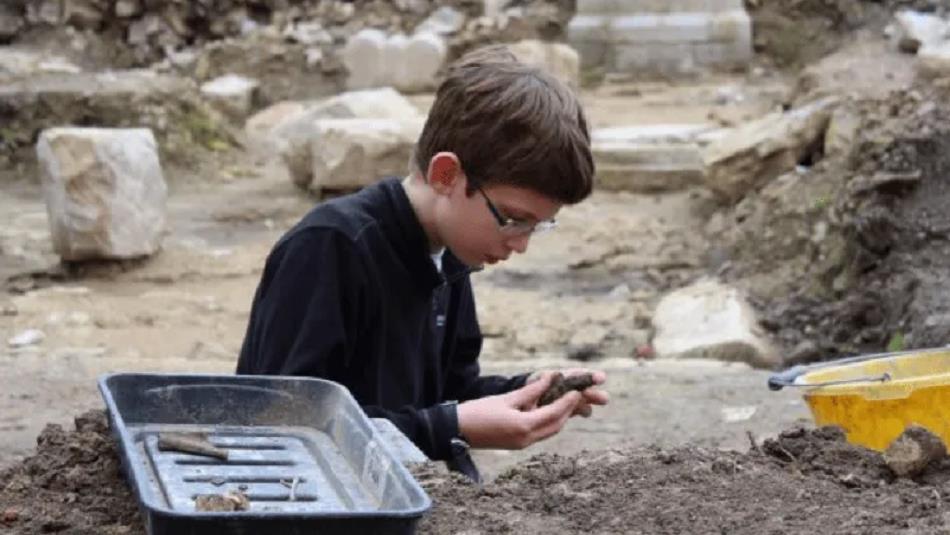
(530, 393)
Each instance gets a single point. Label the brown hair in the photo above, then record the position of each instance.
(512, 124)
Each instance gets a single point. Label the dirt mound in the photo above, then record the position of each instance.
(72, 484)
(851, 254)
(890, 293)
(803, 481)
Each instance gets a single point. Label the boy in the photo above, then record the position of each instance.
(372, 290)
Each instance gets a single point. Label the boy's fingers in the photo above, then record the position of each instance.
(598, 376)
(530, 392)
(596, 397)
(562, 408)
(551, 418)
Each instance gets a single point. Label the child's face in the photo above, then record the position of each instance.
(475, 234)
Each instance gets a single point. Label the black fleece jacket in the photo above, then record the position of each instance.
(351, 294)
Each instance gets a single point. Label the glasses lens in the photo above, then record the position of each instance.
(522, 228)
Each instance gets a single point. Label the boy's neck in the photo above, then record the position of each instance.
(423, 200)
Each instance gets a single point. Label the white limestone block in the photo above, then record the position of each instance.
(352, 153)
(710, 320)
(105, 192)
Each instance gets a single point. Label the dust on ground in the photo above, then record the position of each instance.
(802, 481)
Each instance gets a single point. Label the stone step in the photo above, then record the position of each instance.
(649, 159)
(679, 57)
(680, 27)
(647, 178)
(596, 7)
(655, 133)
(665, 42)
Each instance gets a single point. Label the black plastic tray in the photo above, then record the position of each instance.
(275, 429)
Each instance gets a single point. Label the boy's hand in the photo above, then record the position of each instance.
(512, 421)
(591, 396)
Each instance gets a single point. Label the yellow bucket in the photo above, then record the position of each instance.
(875, 397)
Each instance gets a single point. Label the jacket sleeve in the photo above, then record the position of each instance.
(464, 381)
(306, 320)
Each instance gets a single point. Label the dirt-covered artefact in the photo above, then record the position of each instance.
(561, 385)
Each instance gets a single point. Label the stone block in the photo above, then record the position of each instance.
(353, 153)
(760, 151)
(661, 28)
(293, 134)
(647, 168)
(710, 320)
(374, 59)
(363, 57)
(731, 27)
(105, 192)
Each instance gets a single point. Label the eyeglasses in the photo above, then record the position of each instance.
(515, 227)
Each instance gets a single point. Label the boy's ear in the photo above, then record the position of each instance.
(444, 173)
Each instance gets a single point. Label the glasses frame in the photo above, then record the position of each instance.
(514, 227)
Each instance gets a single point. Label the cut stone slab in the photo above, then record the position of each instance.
(656, 6)
(661, 36)
(363, 57)
(656, 133)
(649, 159)
(375, 59)
(557, 59)
(423, 56)
(232, 94)
(289, 130)
(762, 150)
(104, 190)
(349, 154)
(712, 321)
(913, 451)
(647, 168)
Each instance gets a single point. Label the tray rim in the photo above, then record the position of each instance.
(135, 472)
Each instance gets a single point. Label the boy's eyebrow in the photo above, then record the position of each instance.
(518, 213)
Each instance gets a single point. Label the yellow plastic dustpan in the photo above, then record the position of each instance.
(875, 397)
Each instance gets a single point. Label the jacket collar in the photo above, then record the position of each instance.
(413, 244)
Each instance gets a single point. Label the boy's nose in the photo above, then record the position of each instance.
(519, 244)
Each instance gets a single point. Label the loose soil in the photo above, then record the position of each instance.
(803, 481)
(882, 284)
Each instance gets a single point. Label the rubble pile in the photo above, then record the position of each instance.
(153, 30)
(847, 253)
